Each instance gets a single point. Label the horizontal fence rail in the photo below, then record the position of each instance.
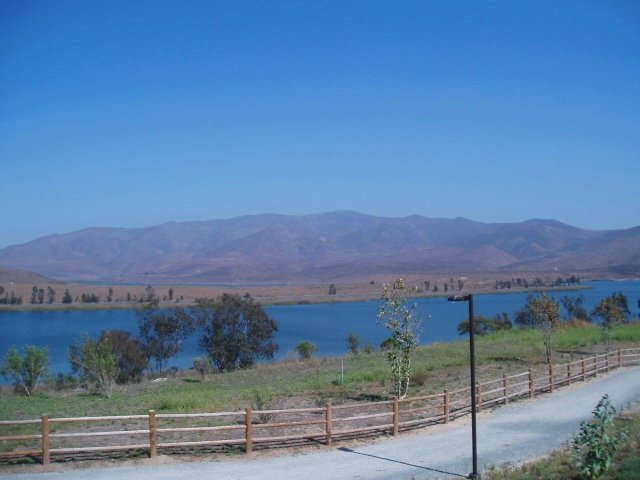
(153, 432)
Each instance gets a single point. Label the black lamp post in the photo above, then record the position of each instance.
(472, 354)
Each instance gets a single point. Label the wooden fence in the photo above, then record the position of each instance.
(153, 432)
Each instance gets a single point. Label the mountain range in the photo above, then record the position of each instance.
(330, 246)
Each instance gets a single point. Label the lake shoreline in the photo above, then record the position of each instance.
(292, 299)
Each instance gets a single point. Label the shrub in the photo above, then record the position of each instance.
(306, 349)
(26, 371)
(418, 378)
(353, 343)
(596, 443)
(203, 366)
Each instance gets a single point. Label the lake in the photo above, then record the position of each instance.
(326, 325)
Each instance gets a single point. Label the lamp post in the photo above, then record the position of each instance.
(472, 354)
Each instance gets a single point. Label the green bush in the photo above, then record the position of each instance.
(597, 441)
(306, 349)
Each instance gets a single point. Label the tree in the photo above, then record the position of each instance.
(26, 371)
(611, 311)
(34, 295)
(306, 349)
(622, 301)
(483, 325)
(96, 360)
(161, 335)
(131, 360)
(149, 294)
(575, 308)
(235, 331)
(110, 295)
(41, 296)
(332, 289)
(67, 298)
(402, 321)
(353, 343)
(541, 312)
(170, 294)
(51, 295)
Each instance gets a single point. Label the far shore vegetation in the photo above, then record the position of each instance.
(98, 296)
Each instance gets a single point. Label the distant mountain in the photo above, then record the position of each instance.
(22, 277)
(328, 246)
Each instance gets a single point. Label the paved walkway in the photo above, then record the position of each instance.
(511, 434)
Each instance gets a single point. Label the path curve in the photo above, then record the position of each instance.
(511, 434)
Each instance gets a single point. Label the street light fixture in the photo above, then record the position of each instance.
(472, 354)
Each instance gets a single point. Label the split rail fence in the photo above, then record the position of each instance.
(154, 432)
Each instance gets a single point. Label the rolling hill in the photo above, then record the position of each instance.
(336, 245)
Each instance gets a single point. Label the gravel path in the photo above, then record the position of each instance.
(512, 434)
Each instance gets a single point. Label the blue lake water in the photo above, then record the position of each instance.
(326, 325)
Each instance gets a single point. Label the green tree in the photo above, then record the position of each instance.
(306, 349)
(96, 361)
(332, 289)
(235, 332)
(611, 311)
(149, 294)
(131, 359)
(541, 312)
(575, 308)
(402, 321)
(353, 343)
(622, 301)
(26, 371)
(170, 294)
(484, 325)
(51, 295)
(161, 334)
(34, 295)
(67, 298)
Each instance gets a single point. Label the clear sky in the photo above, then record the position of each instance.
(137, 113)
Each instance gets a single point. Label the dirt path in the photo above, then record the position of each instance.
(512, 434)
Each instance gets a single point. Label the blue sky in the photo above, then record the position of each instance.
(139, 113)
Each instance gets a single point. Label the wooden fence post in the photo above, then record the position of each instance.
(532, 387)
(446, 405)
(550, 378)
(619, 357)
(479, 397)
(606, 363)
(45, 440)
(329, 420)
(396, 415)
(248, 433)
(569, 373)
(505, 387)
(153, 434)
(584, 370)
(595, 365)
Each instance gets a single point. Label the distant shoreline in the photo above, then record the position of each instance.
(280, 298)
